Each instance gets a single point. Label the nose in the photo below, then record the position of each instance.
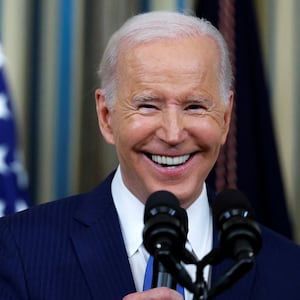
(171, 129)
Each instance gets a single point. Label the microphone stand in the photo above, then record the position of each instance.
(199, 288)
(234, 273)
(176, 269)
(161, 276)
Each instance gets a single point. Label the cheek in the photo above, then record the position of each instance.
(208, 132)
(131, 131)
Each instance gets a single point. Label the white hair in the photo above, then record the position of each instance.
(154, 26)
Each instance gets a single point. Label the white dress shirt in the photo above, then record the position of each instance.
(131, 213)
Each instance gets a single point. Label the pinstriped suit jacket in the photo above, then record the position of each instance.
(73, 249)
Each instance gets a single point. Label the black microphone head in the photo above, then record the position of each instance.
(163, 202)
(234, 216)
(166, 223)
(229, 200)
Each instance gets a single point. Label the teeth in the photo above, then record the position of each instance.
(170, 161)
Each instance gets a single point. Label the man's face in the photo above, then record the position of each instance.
(169, 121)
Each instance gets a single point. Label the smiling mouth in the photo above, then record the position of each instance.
(169, 161)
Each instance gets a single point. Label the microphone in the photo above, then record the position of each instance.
(240, 235)
(165, 235)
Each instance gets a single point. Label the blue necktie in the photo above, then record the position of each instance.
(148, 278)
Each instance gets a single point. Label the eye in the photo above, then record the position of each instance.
(146, 103)
(196, 108)
(147, 108)
(198, 105)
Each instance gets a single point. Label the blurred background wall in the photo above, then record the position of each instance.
(52, 51)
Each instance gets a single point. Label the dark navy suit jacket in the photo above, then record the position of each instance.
(73, 249)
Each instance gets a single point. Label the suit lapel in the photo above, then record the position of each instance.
(100, 248)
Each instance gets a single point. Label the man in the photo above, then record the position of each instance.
(165, 103)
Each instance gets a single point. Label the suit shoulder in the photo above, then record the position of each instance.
(279, 251)
(277, 242)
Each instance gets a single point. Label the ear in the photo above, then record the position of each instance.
(104, 117)
(227, 116)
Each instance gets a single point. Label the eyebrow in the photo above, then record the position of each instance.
(198, 99)
(144, 98)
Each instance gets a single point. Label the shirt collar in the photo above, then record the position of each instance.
(131, 213)
(200, 225)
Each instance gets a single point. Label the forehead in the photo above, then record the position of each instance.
(194, 53)
(176, 65)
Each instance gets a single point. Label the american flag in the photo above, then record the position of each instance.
(13, 178)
